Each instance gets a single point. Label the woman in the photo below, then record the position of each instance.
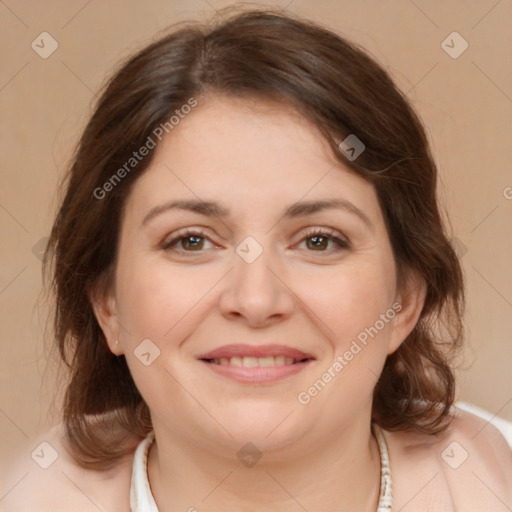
(255, 293)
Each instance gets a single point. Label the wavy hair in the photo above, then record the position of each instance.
(339, 88)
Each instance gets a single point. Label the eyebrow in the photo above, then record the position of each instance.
(299, 209)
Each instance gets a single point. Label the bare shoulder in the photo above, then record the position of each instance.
(466, 467)
(46, 478)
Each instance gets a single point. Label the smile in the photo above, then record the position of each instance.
(256, 364)
(253, 362)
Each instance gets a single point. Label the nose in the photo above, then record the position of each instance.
(257, 292)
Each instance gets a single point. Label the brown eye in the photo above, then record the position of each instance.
(323, 240)
(192, 242)
(187, 241)
(317, 242)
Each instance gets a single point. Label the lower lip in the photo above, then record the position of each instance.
(258, 373)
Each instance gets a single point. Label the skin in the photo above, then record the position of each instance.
(187, 303)
(319, 456)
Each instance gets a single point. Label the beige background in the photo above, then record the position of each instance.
(465, 102)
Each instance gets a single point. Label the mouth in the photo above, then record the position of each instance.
(256, 364)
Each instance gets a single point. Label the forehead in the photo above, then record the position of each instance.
(252, 154)
(223, 132)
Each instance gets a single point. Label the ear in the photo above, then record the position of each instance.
(104, 306)
(409, 302)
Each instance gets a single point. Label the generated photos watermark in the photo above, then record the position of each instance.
(151, 142)
(341, 361)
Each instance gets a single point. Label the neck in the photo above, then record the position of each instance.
(340, 472)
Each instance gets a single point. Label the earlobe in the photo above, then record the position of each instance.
(411, 298)
(104, 307)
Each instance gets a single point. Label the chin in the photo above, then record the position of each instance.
(267, 426)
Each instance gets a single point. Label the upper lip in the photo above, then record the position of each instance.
(243, 350)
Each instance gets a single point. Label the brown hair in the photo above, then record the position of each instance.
(338, 88)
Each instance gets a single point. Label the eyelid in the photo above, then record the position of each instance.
(322, 230)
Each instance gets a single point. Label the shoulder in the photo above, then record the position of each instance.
(45, 477)
(466, 467)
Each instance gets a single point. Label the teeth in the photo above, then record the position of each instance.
(250, 362)
(279, 360)
(253, 362)
(266, 361)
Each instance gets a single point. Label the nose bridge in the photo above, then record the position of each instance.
(255, 291)
(253, 263)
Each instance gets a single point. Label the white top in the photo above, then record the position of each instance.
(141, 497)
(142, 500)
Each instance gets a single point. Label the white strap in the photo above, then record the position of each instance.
(141, 497)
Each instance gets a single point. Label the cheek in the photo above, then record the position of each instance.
(158, 301)
(164, 304)
(350, 301)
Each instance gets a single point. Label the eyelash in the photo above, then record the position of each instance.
(314, 232)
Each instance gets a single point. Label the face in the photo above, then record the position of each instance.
(259, 271)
